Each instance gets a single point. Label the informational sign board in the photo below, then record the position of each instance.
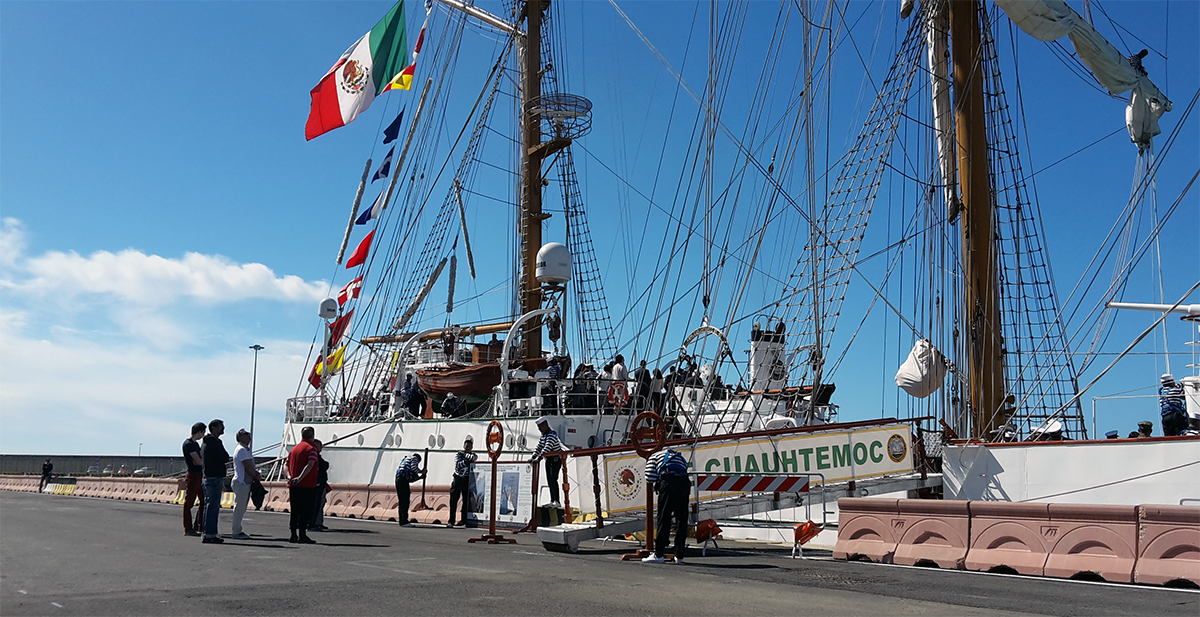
(837, 455)
(514, 503)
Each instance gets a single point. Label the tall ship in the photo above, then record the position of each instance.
(768, 239)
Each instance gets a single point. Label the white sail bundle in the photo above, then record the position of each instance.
(923, 372)
(1048, 20)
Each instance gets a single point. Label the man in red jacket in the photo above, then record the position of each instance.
(302, 485)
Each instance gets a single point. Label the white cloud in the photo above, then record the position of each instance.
(12, 241)
(115, 349)
(134, 276)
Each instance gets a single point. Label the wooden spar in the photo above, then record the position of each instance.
(450, 292)
(530, 223)
(403, 337)
(462, 218)
(362, 185)
(416, 304)
(981, 306)
(408, 141)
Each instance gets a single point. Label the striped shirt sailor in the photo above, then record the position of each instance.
(548, 443)
(410, 468)
(463, 462)
(655, 462)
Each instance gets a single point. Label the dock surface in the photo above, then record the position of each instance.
(63, 555)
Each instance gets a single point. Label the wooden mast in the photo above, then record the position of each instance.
(531, 217)
(981, 310)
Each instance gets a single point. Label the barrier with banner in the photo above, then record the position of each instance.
(839, 455)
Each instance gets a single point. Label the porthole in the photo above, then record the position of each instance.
(509, 441)
(334, 440)
(441, 441)
(432, 441)
(360, 440)
(522, 443)
(388, 441)
(399, 438)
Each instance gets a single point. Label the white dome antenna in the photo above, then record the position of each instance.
(553, 264)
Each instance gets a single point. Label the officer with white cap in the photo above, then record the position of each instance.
(549, 443)
(460, 483)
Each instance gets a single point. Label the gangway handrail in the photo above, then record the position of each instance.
(812, 428)
(806, 475)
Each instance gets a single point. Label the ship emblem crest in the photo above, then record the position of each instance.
(354, 77)
(896, 448)
(626, 481)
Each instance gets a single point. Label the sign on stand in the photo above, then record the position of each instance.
(838, 455)
(514, 504)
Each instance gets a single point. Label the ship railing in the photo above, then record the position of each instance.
(321, 409)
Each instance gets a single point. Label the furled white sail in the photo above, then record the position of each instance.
(922, 373)
(1047, 20)
(939, 88)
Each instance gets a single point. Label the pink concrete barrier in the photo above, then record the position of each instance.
(437, 511)
(1009, 536)
(1092, 539)
(865, 529)
(1168, 545)
(347, 500)
(932, 531)
(381, 503)
(277, 497)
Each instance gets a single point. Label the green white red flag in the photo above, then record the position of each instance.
(365, 70)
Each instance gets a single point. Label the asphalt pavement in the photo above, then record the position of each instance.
(83, 556)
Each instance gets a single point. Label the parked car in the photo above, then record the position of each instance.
(143, 471)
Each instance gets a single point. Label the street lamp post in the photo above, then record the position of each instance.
(254, 384)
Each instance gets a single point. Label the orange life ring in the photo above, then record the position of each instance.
(618, 394)
(495, 439)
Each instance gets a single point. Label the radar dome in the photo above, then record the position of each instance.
(553, 264)
(328, 309)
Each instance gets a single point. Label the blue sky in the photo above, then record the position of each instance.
(161, 210)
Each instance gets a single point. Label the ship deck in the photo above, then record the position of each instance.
(84, 556)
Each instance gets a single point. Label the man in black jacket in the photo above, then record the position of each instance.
(215, 458)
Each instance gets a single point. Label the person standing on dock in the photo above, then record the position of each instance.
(244, 474)
(666, 471)
(47, 473)
(460, 483)
(215, 458)
(318, 511)
(194, 482)
(549, 443)
(302, 485)
(408, 472)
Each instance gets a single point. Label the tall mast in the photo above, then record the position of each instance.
(981, 306)
(531, 217)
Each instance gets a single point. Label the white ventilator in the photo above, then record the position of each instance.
(923, 372)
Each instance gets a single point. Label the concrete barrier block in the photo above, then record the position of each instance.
(277, 499)
(1009, 536)
(1168, 545)
(381, 503)
(865, 529)
(932, 531)
(1098, 540)
(347, 500)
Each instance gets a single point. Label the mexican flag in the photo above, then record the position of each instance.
(362, 72)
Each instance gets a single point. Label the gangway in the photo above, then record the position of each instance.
(568, 536)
